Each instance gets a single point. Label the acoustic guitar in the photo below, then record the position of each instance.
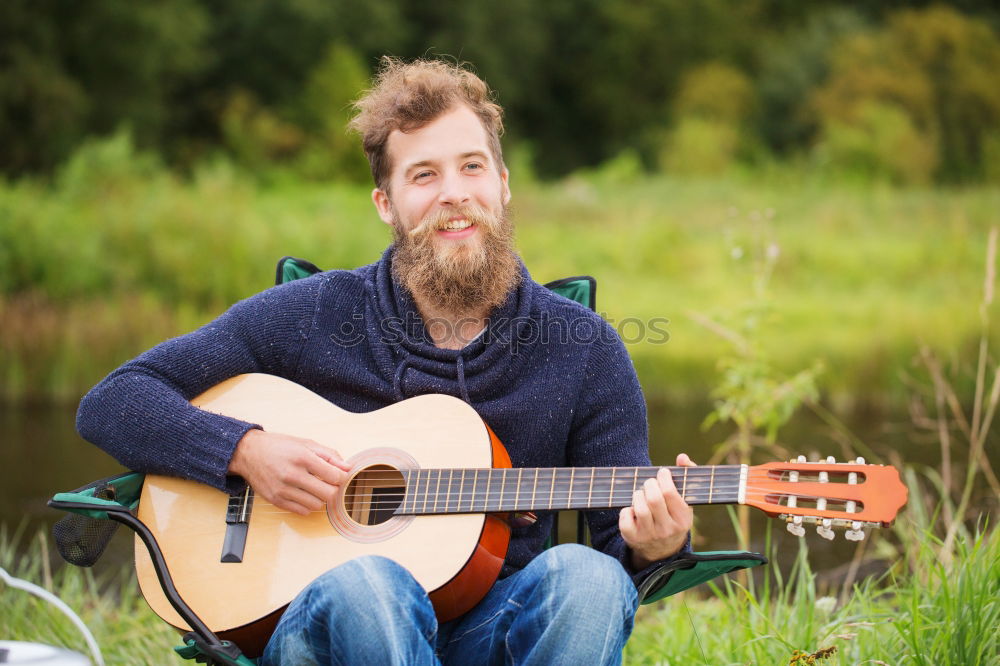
(432, 488)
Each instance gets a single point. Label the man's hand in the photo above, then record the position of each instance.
(657, 523)
(295, 474)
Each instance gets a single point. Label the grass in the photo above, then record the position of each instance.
(107, 601)
(116, 253)
(932, 613)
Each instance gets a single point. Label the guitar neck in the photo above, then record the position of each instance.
(446, 491)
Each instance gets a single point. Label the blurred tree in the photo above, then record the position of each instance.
(325, 109)
(581, 80)
(42, 108)
(74, 68)
(793, 65)
(712, 106)
(935, 66)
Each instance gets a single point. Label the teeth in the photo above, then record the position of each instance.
(457, 225)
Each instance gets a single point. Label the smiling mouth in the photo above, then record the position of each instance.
(452, 226)
(456, 225)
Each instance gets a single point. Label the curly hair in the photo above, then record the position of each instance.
(408, 95)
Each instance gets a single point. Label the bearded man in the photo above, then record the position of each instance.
(449, 308)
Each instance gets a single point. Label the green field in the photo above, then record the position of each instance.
(116, 253)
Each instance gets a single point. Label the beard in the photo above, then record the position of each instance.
(458, 278)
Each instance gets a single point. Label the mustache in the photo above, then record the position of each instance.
(439, 220)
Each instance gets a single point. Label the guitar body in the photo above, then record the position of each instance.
(456, 558)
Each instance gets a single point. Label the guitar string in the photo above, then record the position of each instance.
(621, 502)
(599, 486)
(749, 496)
(717, 497)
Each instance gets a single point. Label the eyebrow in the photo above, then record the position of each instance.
(424, 163)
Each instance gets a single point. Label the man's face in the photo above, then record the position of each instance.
(437, 171)
(454, 244)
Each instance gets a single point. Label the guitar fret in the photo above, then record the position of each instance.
(447, 496)
(590, 490)
(711, 485)
(684, 488)
(534, 488)
(569, 495)
(503, 485)
(517, 494)
(552, 487)
(472, 497)
(489, 482)
(461, 491)
(611, 490)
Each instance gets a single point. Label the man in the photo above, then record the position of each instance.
(449, 308)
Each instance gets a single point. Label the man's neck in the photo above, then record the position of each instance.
(450, 330)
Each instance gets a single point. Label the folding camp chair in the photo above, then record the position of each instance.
(99, 507)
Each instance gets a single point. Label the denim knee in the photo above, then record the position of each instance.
(580, 574)
(363, 581)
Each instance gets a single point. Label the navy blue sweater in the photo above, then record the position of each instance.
(549, 376)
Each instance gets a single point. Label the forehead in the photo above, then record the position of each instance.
(449, 136)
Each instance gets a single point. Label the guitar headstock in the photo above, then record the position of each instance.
(828, 494)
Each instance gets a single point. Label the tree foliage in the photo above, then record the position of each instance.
(267, 81)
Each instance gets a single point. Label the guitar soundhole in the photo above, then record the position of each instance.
(373, 494)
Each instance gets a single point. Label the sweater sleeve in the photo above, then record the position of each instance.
(610, 430)
(140, 413)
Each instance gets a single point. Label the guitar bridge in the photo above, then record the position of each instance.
(237, 524)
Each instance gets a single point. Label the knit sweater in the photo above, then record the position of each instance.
(549, 376)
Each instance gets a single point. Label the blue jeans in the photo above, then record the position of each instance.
(570, 605)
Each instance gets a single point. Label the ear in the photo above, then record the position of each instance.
(382, 205)
(505, 182)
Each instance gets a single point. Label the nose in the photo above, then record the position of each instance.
(453, 191)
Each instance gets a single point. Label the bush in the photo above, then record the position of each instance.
(882, 143)
(937, 69)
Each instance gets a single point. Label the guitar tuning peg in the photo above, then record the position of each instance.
(796, 529)
(860, 461)
(800, 459)
(823, 529)
(831, 460)
(854, 535)
(795, 526)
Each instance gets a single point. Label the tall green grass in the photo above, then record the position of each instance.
(107, 601)
(117, 253)
(935, 614)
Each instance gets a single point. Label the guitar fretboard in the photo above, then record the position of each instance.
(436, 491)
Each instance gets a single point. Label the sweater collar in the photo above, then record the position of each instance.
(406, 352)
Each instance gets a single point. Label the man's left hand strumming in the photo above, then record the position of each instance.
(657, 524)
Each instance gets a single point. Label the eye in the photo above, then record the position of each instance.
(422, 175)
(473, 166)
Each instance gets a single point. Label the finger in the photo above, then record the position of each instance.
(287, 504)
(331, 456)
(653, 490)
(317, 488)
(322, 469)
(301, 498)
(640, 509)
(626, 524)
(683, 460)
(678, 509)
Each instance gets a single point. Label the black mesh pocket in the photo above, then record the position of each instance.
(80, 539)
